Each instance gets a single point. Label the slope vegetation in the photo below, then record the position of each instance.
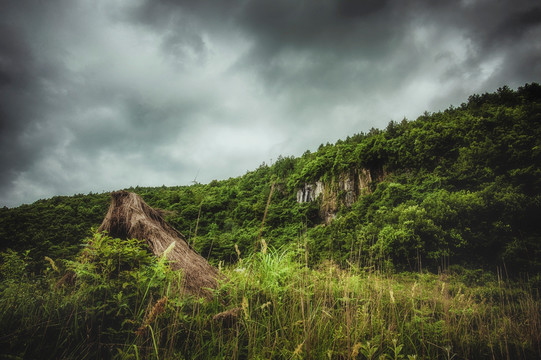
(460, 186)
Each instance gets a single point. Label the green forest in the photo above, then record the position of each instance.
(417, 241)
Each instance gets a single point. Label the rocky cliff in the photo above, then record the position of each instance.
(343, 190)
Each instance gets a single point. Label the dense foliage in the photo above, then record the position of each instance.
(461, 186)
(453, 191)
(116, 301)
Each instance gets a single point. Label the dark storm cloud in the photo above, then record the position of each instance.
(339, 44)
(331, 39)
(17, 61)
(19, 74)
(112, 93)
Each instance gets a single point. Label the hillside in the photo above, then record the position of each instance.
(460, 186)
(318, 257)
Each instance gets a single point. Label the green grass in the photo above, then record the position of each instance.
(125, 304)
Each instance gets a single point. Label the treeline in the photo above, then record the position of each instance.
(461, 186)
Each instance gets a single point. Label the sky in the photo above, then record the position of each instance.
(100, 95)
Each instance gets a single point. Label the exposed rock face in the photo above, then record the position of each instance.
(342, 190)
(309, 192)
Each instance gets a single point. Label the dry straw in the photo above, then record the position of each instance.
(129, 217)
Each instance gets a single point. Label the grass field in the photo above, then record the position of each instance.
(116, 301)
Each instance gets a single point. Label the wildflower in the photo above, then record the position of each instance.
(265, 305)
(157, 309)
(168, 250)
(298, 349)
(355, 351)
(413, 289)
(263, 246)
(245, 307)
(53, 265)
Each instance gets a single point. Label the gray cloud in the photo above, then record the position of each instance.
(114, 93)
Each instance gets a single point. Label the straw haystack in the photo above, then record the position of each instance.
(129, 217)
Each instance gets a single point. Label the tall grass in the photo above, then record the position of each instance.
(272, 306)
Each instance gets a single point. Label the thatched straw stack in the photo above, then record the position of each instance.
(129, 217)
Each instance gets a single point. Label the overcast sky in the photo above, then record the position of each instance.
(99, 95)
